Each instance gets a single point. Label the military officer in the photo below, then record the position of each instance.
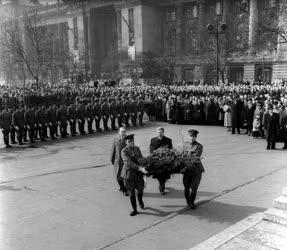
(106, 113)
(133, 109)
(126, 112)
(30, 121)
(119, 110)
(72, 116)
(5, 124)
(12, 130)
(140, 110)
(62, 118)
(52, 120)
(18, 123)
(192, 176)
(81, 117)
(98, 115)
(41, 121)
(90, 116)
(133, 173)
(113, 114)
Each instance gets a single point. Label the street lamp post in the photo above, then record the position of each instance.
(217, 30)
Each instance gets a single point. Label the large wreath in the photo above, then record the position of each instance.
(164, 160)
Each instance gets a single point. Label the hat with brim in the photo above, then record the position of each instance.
(193, 132)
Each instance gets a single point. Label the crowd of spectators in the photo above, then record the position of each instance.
(235, 106)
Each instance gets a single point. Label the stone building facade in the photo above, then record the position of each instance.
(99, 31)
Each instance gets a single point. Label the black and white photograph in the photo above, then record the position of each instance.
(143, 124)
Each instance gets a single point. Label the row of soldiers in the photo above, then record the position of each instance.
(30, 122)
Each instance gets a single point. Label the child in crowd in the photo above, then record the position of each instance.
(256, 127)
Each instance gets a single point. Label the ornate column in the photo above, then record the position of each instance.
(253, 20)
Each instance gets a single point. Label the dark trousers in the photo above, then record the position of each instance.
(90, 125)
(162, 180)
(113, 122)
(5, 133)
(120, 120)
(81, 123)
(134, 119)
(98, 122)
(42, 132)
(191, 182)
(271, 144)
(31, 132)
(52, 131)
(63, 129)
(20, 133)
(141, 117)
(25, 132)
(127, 117)
(133, 186)
(72, 127)
(105, 121)
(13, 134)
(233, 129)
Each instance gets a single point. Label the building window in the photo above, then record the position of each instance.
(75, 31)
(171, 15)
(192, 11)
(131, 27)
(218, 7)
(171, 40)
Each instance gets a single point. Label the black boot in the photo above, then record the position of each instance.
(134, 205)
(140, 199)
(192, 199)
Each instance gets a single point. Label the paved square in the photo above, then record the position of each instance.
(63, 194)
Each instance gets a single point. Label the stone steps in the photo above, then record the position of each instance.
(280, 202)
(278, 214)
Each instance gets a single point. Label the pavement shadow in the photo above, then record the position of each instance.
(214, 211)
(156, 212)
(172, 193)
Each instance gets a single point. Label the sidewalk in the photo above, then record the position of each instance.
(260, 231)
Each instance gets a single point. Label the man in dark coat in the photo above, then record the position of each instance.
(30, 121)
(133, 173)
(283, 125)
(5, 124)
(271, 126)
(192, 176)
(248, 116)
(18, 122)
(118, 144)
(236, 112)
(161, 141)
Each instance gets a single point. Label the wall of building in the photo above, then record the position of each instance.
(151, 29)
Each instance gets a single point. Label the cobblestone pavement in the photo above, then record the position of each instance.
(63, 194)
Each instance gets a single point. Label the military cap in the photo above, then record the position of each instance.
(193, 132)
(129, 137)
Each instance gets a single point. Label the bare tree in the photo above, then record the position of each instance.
(26, 42)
